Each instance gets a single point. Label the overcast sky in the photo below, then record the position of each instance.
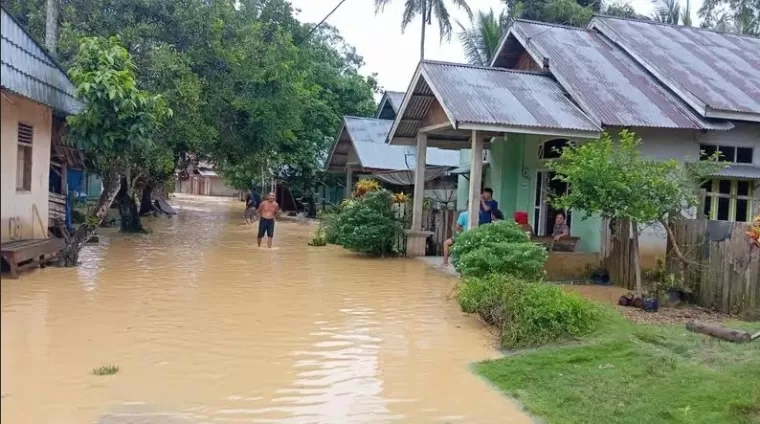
(393, 55)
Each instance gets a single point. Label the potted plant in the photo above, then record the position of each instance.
(649, 301)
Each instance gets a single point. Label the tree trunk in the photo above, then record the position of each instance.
(69, 257)
(636, 256)
(51, 25)
(736, 336)
(130, 216)
(146, 200)
(424, 23)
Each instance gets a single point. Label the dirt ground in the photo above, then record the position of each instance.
(665, 315)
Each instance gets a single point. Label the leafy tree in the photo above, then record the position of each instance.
(612, 180)
(369, 224)
(622, 10)
(117, 124)
(426, 9)
(481, 40)
(735, 16)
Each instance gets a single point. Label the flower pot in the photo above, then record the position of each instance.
(650, 305)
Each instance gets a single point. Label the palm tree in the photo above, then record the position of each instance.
(667, 12)
(426, 9)
(481, 40)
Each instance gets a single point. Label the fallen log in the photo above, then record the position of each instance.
(729, 334)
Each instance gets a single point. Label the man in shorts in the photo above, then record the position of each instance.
(461, 227)
(267, 212)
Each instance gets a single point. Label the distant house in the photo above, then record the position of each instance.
(680, 89)
(36, 95)
(360, 151)
(202, 179)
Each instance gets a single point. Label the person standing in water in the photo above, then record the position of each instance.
(267, 212)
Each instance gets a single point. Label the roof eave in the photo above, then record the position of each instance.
(335, 143)
(555, 132)
(731, 115)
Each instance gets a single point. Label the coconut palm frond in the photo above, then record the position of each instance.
(481, 41)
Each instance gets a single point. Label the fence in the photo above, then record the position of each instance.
(723, 268)
(439, 221)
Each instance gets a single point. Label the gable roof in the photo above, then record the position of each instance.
(28, 70)
(367, 137)
(717, 74)
(491, 99)
(391, 99)
(603, 80)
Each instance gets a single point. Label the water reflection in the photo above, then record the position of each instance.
(205, 327)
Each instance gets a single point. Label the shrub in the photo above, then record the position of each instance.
(368, 224)
(329, 223)
(527, 313)
(501, 247)
(543, 313)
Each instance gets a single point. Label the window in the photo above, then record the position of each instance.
(24, 158)
(728, 200)
(727, 153)
(552, 149)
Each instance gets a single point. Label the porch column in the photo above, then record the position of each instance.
(349, 181)
(415, 237)
(476, 177)
(419, 182)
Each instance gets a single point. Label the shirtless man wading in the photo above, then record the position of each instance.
(267, 211)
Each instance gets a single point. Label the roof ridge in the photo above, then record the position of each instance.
(485, 68)
(675, 26)
(550, 24)
(369, 118)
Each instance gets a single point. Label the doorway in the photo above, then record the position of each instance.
(544, 213)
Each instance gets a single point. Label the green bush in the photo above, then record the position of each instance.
(368, 225)
(329, 223)
(501, 248)
(527, 314)
(543, 313)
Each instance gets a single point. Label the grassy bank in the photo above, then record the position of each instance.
(637, 374)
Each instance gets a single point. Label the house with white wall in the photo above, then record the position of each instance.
(35, 89)
(680, 89)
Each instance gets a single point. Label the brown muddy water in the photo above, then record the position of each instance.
(204, 327)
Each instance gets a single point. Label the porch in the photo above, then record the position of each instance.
(456, 107)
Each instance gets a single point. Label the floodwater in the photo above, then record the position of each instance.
(206, 328)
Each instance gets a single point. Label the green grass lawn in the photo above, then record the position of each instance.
(637, 374)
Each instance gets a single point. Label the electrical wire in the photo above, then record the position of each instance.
(311, 31)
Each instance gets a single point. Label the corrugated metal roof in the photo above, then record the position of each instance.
(603, 80)
(740, 170)
(207, 172)
(26, 69)
(501, 97)
(713, 72)
(367, 130)
(368, 139)
(395, 98)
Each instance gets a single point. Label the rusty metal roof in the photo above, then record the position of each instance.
(515, 100)
(717, 74)
(28, 70)
(367, 137)
(602, 79)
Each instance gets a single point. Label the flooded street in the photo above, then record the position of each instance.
(204, 327)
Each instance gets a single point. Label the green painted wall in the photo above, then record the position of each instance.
(512, 175)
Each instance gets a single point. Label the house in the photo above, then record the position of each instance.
(36, 95)
(680, 89)
(360, 151)
(202, 179)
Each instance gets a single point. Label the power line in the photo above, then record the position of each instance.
(340, 3)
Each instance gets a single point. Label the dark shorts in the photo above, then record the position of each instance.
(266, 226)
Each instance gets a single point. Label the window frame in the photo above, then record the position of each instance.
(717, 147)
(25, 185)
(713, 195)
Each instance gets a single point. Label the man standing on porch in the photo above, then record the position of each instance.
(487, 205)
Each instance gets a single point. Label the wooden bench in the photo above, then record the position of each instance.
(23, 254)
(565, 244)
